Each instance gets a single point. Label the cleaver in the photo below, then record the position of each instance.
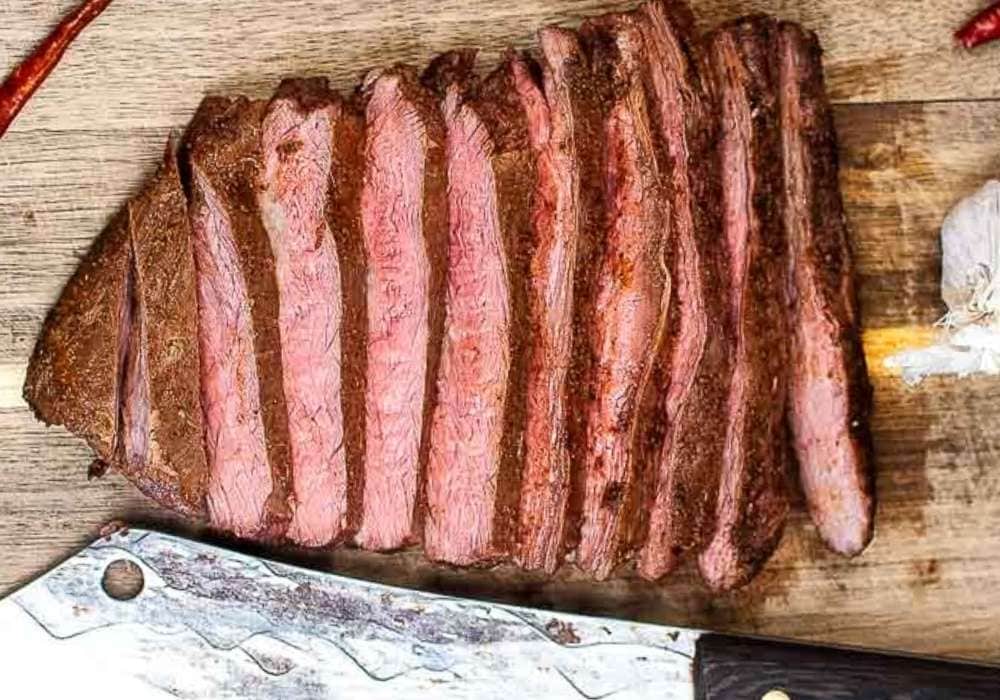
(142, 614)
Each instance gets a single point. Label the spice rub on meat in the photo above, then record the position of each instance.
(829, 400)
(752, 502)
(581, 308)
(631, 294)
(246, 418)
(696, 362)
(405, 218)
(298, 137)
(162, 446)
(474, 469)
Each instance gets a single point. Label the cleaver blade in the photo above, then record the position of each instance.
(212, 623)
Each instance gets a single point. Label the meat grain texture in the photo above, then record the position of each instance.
(474, 466)
(693, 373)
(546, 472)
(405, 220)
(568, 310)
(239, 330)
(297, 138)
(557, 138)
(752, 502)
(829, 393)
(630, 301)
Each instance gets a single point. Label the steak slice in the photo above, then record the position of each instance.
(630, 302)
(74, 378)
(829, 393)
(696, 366)
(246, 418)
(297, 141)
(474, 466)
(576, 96)
(404, 211)
(163, 433)
(558, 115)
(752, 503)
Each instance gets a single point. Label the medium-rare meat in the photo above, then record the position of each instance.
(558, 116)
(696, 366)
(298, 134)
(829, 393)
(630, 300)
(474, 468)
(566, 311)
(246, 419)
(575, 95)
(74, 376)
(404, 211)
(752, 502)
(162, 430)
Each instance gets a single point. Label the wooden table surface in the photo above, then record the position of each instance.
(919, 123)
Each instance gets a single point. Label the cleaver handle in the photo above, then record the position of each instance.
(730, 668)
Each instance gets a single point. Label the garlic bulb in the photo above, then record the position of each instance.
(970, 257)
(970, 287)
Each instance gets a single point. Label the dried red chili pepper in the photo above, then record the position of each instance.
(982, 28)
(21, 84)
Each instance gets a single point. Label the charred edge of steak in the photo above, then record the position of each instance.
(834, 449)
(308, 94)
(545, 484)
(586, 93)
(344, 216)
(753, 503)
(471, 461)
(163, 450)
(694, 372)
(450, 68)
(515, 165)
(435, 228)
(405, 276)
(298, 136)
(224, 145)
(75, 373)
(632, 295)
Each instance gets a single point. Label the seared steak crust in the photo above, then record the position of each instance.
(404, 212)
(163, 432)
(694, 374)
(829, 393)
(245, 411)
(75, 371)
(630, 302)
(752, 504)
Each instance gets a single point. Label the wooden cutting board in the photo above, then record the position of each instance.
(919, 123)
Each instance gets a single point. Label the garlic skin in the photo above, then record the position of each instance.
(970, 257)
(972, 350)
(970, 288)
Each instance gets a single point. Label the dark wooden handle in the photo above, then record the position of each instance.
(730, 668)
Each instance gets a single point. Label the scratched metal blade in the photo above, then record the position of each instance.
(215, 624)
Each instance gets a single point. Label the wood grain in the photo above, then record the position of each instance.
(927, 584)
(148, 62)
